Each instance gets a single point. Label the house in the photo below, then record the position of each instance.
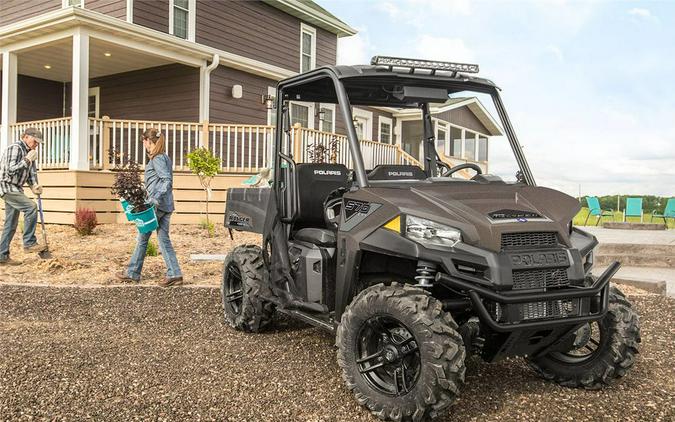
(93, 74)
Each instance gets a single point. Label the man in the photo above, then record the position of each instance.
(17, 167)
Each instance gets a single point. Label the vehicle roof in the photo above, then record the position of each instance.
(363, 82)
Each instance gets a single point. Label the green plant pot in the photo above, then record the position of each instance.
(127, 208)
(146, 221)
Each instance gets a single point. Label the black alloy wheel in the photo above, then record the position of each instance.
(389, 358)
(232, 288)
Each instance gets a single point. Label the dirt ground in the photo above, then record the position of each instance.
(146, 353)
(95, 259)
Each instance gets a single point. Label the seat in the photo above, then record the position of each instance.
(315, 182)
(396, 172)
(595, 209)
(633, 209)
(668, 212)
(319, 237)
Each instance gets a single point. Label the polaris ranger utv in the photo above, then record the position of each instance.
(414, 269)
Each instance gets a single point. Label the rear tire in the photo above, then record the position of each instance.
(400, 354)
(244, 290)
(609, 355)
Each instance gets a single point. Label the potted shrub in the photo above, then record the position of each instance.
(128, 186)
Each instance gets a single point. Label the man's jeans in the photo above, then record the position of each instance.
(168, 253)
(16, 202)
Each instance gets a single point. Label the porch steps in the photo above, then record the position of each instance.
(655, 280)
(634, 226)
(651, 256)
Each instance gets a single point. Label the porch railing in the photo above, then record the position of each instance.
(241, 148)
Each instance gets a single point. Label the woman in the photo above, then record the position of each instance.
(158, 184)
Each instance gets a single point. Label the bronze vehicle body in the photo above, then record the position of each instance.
(413, 269)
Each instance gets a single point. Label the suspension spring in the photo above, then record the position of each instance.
(426, 271)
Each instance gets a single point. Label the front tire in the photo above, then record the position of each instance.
(245, 288)
(400, 354)
(604, 350)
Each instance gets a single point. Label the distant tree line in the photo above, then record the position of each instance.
(649, 202)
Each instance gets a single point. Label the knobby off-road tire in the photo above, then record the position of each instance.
(411, 317)
(244, 290)
(611, 359)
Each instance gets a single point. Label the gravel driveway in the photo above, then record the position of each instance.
(125, 353)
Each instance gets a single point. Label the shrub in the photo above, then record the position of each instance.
(205, 165)
(208, 226)
(152, 249)
(85, 221)
(128, 184)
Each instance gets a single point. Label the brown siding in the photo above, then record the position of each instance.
(114, 8)
(38, 99)
(245, 110)
(168, 92)
(153, 14)
(463, 117)
(326, 48)
(252, 29)
(17, 10)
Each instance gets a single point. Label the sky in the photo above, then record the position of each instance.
(589, 86)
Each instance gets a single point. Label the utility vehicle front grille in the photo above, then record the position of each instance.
(549, 309)
(528, 239)
(540, 279)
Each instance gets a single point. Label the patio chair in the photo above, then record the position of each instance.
(668, 212)
(633, 209)
(595, 209)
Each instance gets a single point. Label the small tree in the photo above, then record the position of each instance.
(205, 165)
(128, 184)
(317, 153)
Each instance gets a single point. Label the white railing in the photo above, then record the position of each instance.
(54, 152)
(241, 148)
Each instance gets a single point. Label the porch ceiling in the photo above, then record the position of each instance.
(58, 55)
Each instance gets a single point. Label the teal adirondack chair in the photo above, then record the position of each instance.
(633, 209)
(594, 209)
(668, 212)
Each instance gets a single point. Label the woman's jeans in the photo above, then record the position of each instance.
(16, 202)
(168, 253)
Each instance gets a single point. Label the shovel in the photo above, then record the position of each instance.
(44, 254)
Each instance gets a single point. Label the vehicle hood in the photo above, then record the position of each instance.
(483, 211)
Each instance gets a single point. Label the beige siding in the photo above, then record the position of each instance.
(17, 10)
(114, 8)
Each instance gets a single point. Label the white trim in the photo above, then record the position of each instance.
(388, 121)
(326, 21)
(130, 11)
(271, 90)
(330, 107)
(95, 92)
(79, 132)
(191, 21)
(368, 116)
(306, 29)
(121, 31)
(9, 83)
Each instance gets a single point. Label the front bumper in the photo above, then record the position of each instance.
(593, 302)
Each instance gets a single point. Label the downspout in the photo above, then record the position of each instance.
(206, 87)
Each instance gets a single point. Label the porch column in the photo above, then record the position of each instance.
(79, 129)
(9, 82)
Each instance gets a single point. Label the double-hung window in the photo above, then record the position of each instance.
(327, 118)
(182, 19)
(307, 48)
(385, 130)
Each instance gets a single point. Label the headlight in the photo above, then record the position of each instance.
(428, 232)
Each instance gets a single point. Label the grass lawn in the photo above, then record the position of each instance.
(618, 216)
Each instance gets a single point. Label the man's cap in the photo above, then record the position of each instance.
(34, 132)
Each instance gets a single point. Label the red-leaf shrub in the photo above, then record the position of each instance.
(85, 221)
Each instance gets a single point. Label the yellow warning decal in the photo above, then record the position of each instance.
(394, 224)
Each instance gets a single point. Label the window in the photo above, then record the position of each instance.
(76, 3)
(482, 148)
(385, 130)
(182, 19)
(272, 113)
(363, 123)
(327, 118)
(470, 146)
(441, 138)
(302, 113)
(93, 102)
(456, 142)
(307, 48)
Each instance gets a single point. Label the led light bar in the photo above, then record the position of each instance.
(423, 64)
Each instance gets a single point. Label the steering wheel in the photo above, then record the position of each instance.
(472, 166)
(332, 207)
